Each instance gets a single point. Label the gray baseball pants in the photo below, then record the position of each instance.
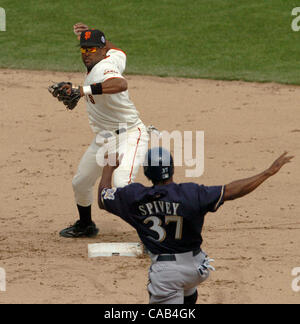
(171, 281)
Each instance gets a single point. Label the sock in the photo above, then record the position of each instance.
(192, 299)
(85, 215)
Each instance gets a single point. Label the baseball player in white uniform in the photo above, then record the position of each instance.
(114, 120)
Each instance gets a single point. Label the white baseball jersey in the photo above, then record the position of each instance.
(107, 111)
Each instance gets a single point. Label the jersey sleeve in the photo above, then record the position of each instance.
(114, 65)
(110, 71)
(110, 67)
(210, 198)
(119, 201)
(118, 58)
(113, 200)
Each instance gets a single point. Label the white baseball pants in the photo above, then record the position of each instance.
(132, 144)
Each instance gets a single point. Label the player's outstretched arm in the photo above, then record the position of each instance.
(240, 188)
(110, 86)
(113, 163)
(105, 182)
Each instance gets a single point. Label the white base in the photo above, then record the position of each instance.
(114, 249)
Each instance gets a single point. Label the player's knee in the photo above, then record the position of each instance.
(75, 183)
(79, 183)
(192, 299)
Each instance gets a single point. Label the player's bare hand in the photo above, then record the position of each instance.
(79, 28)
(279, 163)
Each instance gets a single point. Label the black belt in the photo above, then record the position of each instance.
(109, 134)
(172, 257)
(120, 131)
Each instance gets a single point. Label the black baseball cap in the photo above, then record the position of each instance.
(92, 38)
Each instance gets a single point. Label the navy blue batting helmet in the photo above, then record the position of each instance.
(159, 164)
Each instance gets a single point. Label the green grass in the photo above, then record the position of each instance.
(218, 39)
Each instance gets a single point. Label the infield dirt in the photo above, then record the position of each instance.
(255, 240)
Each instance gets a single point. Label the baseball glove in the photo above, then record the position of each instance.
(64, 92)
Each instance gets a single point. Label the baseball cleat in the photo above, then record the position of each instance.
(76, 231)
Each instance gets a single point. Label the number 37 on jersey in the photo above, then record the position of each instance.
(159, 229)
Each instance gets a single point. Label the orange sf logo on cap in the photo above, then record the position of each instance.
(87, 35)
